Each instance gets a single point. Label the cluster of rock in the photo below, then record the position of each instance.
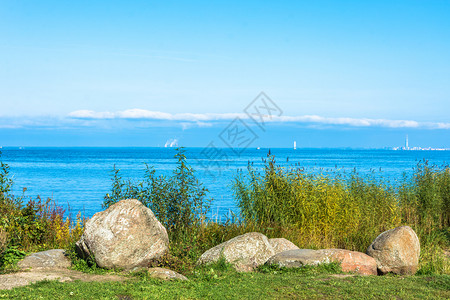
(394, 251)
(127, 235)
(248, 251)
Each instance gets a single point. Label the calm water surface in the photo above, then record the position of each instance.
(80, 177)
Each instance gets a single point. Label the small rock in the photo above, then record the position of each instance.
(280, 245)
(165, 274)
(245, 252)
(125, 236)
(55, 258)
(396, 251)
(351, 261)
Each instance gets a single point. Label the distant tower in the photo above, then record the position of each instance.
(295, 145)
(406, 143)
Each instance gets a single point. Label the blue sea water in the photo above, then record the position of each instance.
(79, 178)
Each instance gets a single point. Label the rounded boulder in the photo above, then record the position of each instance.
(51, 259)
(124, 236)
(396, 251)
(244, 252)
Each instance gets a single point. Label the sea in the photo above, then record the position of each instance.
(79, 178)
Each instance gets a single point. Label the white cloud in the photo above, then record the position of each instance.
(440, 125)
(91, 115)
(6, 126)
(202, 120)
(137, 113)
(143, 114)
(187, 125)
(363, 122)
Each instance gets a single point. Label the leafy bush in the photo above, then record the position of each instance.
(28, 224)
(179, 201)
(39, 225)
(10, 258)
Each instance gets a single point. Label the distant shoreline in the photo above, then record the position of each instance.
(252, 148)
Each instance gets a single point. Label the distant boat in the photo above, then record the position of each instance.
(257, 148)
(295, 145)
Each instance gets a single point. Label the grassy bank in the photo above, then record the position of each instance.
(211, 283)
(312, 209)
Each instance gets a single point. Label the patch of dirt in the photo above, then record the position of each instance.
(23, 278)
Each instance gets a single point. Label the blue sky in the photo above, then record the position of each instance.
(140, 73)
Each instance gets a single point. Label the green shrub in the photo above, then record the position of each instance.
(39, 225)
(178, 201)
(10, 257)
(28, 224)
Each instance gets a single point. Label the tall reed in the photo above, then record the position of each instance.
(341, 210)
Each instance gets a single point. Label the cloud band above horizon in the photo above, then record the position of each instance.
(142, 114)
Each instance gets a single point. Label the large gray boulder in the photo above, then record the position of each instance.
(124, 236)
(245, 252)
(396, 251)
(50, 259)
(281, 244)
(351, 261)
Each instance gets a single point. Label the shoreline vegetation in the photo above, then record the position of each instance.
(313, 210)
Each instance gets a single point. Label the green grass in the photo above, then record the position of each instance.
(269, 283)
